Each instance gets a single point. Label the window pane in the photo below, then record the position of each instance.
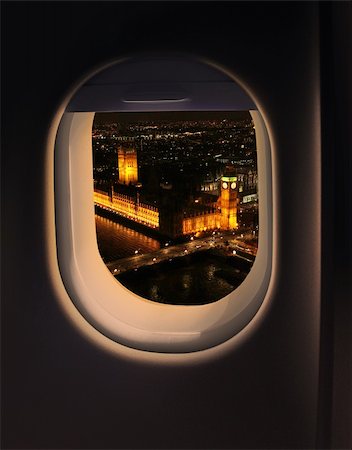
(176, 202)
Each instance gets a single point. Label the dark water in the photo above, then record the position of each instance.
(197, 279)
(118, 241)
(193, 279)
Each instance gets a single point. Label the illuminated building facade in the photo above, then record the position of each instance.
(128, 207)
(201, 222)
(247, 181)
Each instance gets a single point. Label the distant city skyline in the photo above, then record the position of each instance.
(131, 117)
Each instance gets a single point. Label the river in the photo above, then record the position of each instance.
(194, 279)
(117, 241)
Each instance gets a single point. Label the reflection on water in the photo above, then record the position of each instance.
(118, 241)
(199, 278)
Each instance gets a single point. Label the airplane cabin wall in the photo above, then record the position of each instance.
(62, 391)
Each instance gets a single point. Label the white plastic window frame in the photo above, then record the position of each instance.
(106, 304)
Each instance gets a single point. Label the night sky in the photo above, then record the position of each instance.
(172, 116)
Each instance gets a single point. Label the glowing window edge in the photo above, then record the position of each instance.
(112, 309)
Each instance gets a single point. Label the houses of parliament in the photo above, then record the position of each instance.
(167, 214)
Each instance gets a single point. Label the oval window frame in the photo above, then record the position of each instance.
(118, 313)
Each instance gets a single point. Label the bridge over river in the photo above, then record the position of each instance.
(227, 242)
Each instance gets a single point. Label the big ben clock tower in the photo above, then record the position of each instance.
(228, 200)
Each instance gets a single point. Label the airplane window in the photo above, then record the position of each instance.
(163, 203)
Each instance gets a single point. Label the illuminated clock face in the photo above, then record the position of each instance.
(233, 185)
(224, 185)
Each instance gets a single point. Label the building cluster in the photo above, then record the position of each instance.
(169, 214)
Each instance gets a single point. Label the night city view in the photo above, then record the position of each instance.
(176, 202)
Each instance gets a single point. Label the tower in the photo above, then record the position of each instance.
(127, 161)
(228, 200)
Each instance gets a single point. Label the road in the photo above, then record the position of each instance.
(234, 245)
